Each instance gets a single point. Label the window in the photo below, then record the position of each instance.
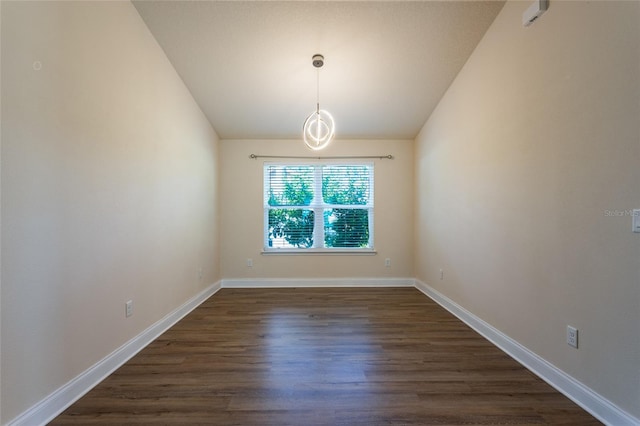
(318, 207)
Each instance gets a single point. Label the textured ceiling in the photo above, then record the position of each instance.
(248, 64)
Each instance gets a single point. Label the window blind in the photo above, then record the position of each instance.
(318, 206)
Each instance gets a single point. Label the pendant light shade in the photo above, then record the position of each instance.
(319, 128)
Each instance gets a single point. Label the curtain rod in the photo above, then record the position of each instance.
(343, 157)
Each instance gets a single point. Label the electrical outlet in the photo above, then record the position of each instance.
(572, 336)
(387, 262)
(249, 263)
(441, 275)
(128, 308)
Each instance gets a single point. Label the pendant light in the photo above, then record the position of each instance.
(318, 129)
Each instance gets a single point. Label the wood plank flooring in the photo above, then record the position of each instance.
(322, 356)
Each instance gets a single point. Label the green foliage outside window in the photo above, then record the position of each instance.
(350, 228)
(295, 189)
(344, 185)
(293, 186)
(294, 225)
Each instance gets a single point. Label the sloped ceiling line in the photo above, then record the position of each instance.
(387, 64)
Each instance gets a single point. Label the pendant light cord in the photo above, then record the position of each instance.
(318, 90)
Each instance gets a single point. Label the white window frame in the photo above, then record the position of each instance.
(318, 207)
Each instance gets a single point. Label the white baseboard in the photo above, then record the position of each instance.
(47, 409)
(54, 404)
(598, 406)
(317, 282)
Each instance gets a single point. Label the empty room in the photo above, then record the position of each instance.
(320, 212)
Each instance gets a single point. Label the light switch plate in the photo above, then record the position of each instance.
(636, 220)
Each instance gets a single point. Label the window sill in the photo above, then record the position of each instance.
(320, 252)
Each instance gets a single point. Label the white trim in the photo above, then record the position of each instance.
(601, 408)
(317, 204)
(317, 282)
(318, 251)
(58, 401)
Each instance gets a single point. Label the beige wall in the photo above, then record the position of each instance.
(242, 213)
(110, 172)
(533, 144)
(109, 177)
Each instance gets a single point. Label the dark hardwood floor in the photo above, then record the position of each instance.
(323, 356)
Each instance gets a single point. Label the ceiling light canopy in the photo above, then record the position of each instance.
(319, 128)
